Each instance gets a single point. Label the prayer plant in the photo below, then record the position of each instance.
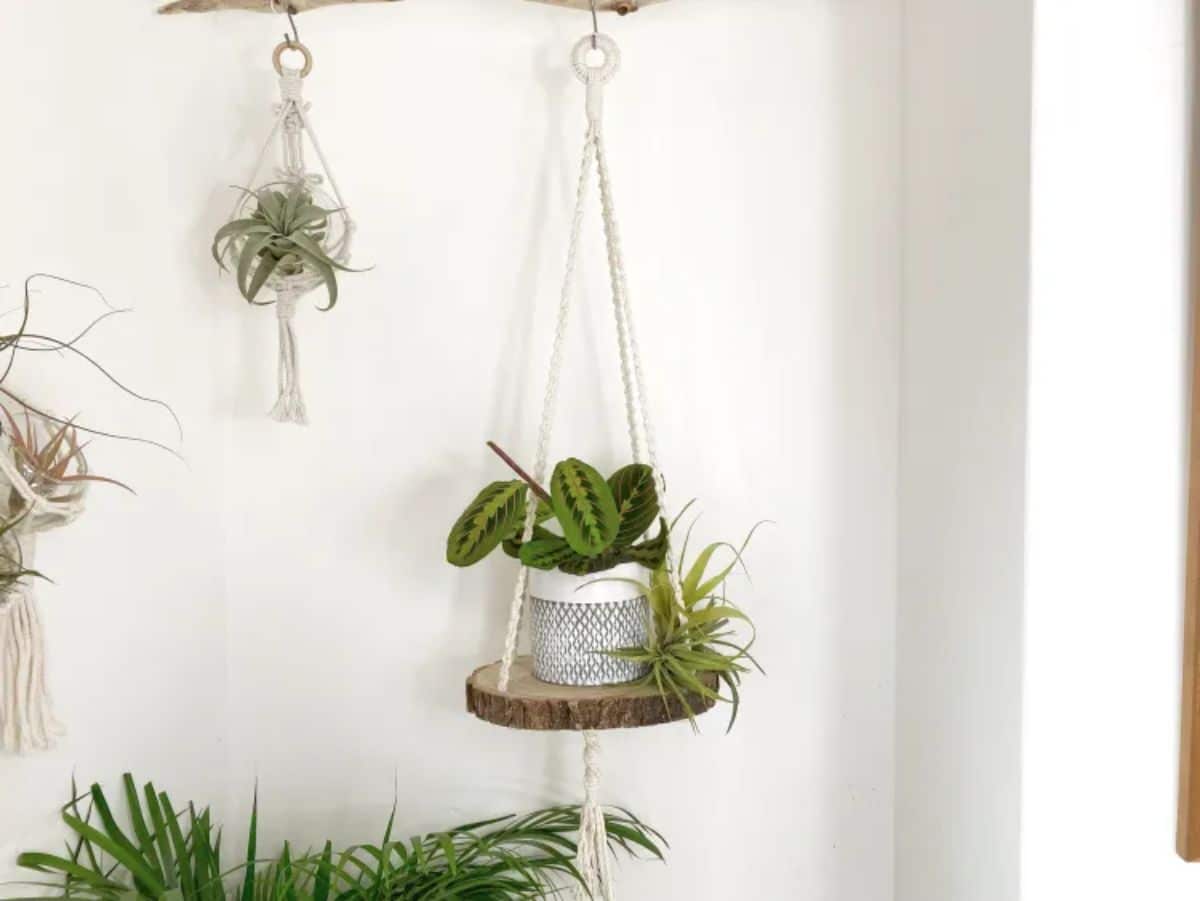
(283, 236)
(695, 632)
(601, 521)
(173, 852)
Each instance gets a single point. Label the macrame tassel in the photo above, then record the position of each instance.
(592, 860)
(27, 721)
(290, 405)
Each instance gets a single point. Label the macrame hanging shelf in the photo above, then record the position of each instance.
(507, 693)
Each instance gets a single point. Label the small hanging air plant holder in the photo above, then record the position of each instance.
(290, 231)
(43, 485)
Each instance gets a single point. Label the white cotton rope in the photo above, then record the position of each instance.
(27, 720)
(292, 123)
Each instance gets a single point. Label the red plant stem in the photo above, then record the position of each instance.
(515, 467)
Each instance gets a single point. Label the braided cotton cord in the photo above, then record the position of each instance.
(631, 357)
(290, 405)
(550, 402)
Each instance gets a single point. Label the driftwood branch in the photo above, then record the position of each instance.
(258, 6)
(623, 7)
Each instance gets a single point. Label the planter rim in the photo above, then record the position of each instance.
(594, 589)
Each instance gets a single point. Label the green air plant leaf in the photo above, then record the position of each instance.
(696, 634)
(487, 521)
(637, 501)
(584, 506)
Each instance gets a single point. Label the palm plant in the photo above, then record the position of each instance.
(168, 853)
(284, 236)
(694, 633)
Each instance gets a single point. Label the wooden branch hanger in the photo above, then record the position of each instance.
(621, 7)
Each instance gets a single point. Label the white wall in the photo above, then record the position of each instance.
(1106, 454)
(958, 713)
(278, 608)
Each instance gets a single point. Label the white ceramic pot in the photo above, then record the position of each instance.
(575, 619)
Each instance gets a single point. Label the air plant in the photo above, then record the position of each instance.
(48, 452)
(167, 851)
(284, 236)
(694, 637)
(52, 464)
(601, 521)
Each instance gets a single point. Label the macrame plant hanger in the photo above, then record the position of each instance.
(593, 854)
(27, 720)
(292, 124)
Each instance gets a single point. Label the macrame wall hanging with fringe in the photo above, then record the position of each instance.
(33, 503)
(509, 692)
(44, 480)
(290, 230)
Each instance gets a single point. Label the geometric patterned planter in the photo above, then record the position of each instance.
(574, 622)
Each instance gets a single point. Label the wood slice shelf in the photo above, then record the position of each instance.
(532, 704)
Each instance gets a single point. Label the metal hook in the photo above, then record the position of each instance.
(295, 37)
(595, 25)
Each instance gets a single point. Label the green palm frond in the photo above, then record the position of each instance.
(164, 853)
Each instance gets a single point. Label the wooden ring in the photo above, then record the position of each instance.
(277, 57)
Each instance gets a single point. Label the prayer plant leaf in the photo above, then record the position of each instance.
(485, 523)
(636, 496)
(650, 554)
(584, 506)
(546, 553)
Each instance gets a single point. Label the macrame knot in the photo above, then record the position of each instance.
(285, 306)
(592, 857)
(291, 86)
